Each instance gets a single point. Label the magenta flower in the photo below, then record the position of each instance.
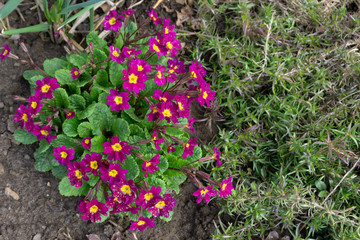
(205, 193)
(44, 88)
(151, 166)
(174, 67)
(75, 73)
(154, 112)
(162, 97)
(172, 46)
(206, 95)
(197, 72)
(112, 21)
(82, 205)
(23, 115)
(116, 55)
(76, 174)
(159, 77)
(169, 30)
(147, 199)
(64, 155)
(130, 52)
(34, 104)
(171, 148)
(125, 208)
(5, 52)
(183, 106)
(190, 124)
(154, 17)
(43, 133)
(217, 157)
(189, 148)
(92, 163)
(113, 174)
(94, 209)
(226, 187)
(86, 143)
(156, 47)
(140, 65)
(116, 150)
(168, 111)
(124, 190)
(156, 140)
(142, 224)
(134, 81)
(118, 101)
(163, 206)
(69, 114)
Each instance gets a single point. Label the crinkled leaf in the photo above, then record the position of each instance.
(120, 128)
(67, 190)
(93, 180)
(87, 112)
(62, 98)
(63, 140)
(116, 74)
(136, 130)
(33, 81)
(132, 168)
(78, 60)
(197, 153)
(24, 137)
(84, 129)
(52, 65)
(64, 76)
(100, 119)
(96, 144)
(44, 161)
(59, 171)
(70, 126)
(130, 113)
(95, 40)
(94, 94)
(157, 182)
(77, 102)
(101, 81)
(43, 146)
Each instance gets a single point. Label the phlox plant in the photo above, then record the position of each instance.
(112, 122)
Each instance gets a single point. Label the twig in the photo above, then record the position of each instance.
(135, 4)
(157, 4)
(267, 42)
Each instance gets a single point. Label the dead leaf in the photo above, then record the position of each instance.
(184, 15)
(168, 9)
(93, 237)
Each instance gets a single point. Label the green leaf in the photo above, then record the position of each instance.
(67, 190)
(8, 8)
(132, 168)
(87, 112)
(24, 137)
(197, 153)
(174, 182)
(94, 94)
(75, 16)
(35, 28)
(52, 65)
(163, 165)
(96, 143)
(175, 161)
(78, 60)
(120, 128)
(172, 173)
(130, 112)
(84, 129)
(28, 74)
(100, 56)
(33, 81)
(100, 119)
(323, 193)
(177, 132)
(154, 181)
(77, 102)
(136, 130)
(64, 76)
(61, 98)
(63, 140)
(93, 180)
(168, 219)
(131, 27)
(44, 161)
(320, 185)
(116, 74)
(59, 171)
(95, 40)
(80, 5)
(43, 146)
(70, 126)
(101, 81)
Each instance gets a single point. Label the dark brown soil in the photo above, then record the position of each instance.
(41, 212)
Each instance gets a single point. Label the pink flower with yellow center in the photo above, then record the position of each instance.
(190, 124)
(86, 143)
(162, 97)
(116, 55)
(118, 101)
(142, 224)
(76, 174)
(154, 17)
(154, 112)
(175, 67)
(43, 133)
(197, 72)
(151, 166)
(113, 174)
(216, 156)
(171, 148)
(93, 163)
(112, 21)
(116, 149)
(124, 190)
(205, 193)
(23, 114)
(160, 79)
(163, 206)
(189, 148)
(133, 80)
(130, 52)
(206, 95)
(44, 88)
(122, 207)
(5, 52)
(94, 210)
(34, 104)
(75, 74)
(168, 30)
(141, 66)
(63, 155)
(183, 106)
(69, 114)
(147, 199)
(156, 140)
(155, 45)
(226, 187)
(168, 112)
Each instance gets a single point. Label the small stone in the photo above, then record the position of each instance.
(2, 105)
(26, 157)
(2, 169)
(48, 184)
(11, 109)
(11, 193)
(273, 235)
(37, 237)
(285, 238)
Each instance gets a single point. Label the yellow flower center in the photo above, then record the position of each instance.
(163, 99)
(116, 147)
(118, 100)
(87, 141)
(44, 132)
(187, 145)
(167, 113)
(113, 173)
(156, 48)
(148, 196)
(223, 186)
(155, 110)
(129, 52)
(5, 52)
(160, 205)
(180, 106)
(63, 154)
(34, 105)
(78, 174)
(193, 74)
(133, 78)
(94, 209)
(115, 53)
(204, 191)
(159, 74)
(171, 71)
(25, 117)
(45, 88)
(166, 31)
(112, 21)
(76, 73)
(69, 114)
(169, 45)
(140, 223)
(205, 95)
(94, 165)
(126, 189)
(148, 164)
(140, 68)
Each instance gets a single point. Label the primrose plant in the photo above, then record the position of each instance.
(112, 123)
